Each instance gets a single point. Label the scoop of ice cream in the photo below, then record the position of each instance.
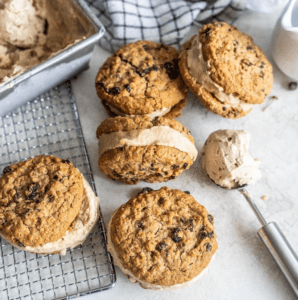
(22, 22)
(226, 159)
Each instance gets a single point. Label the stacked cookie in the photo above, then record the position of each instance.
(162, 239)
(46, 206)
(142, 78)
(226, 70)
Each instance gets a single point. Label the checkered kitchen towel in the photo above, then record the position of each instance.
(166, 21)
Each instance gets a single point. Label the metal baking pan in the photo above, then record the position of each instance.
(56, 69)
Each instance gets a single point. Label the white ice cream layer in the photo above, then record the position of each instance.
(156, 135)
(199, 70)
(83, 224)
(144, 284)
(226, 159)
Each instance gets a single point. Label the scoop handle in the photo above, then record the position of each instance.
(282, 252)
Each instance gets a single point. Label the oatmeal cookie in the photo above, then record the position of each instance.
(142, 78)
(226, 70)
(162, 239)
(43, 201)
(132, 149)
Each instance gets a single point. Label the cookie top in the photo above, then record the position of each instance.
(39, 200)
(163, 237)
(235, 63)
(141, 78)
(207, 98)
(139, 122)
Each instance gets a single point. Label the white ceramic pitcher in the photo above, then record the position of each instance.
(285, 40)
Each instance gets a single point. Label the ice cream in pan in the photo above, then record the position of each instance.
(227, 162)
(32, 31)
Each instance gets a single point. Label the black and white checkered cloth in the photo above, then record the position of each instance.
(166, 21)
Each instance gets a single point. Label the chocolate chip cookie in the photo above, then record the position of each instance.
(162, 239)
(132, 149)
(43, 202)
(226, 70)
(142, 78)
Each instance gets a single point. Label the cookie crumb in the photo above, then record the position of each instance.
(264, 197)
(270, 100)
(293, 85)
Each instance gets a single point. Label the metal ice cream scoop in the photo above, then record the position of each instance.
(276, 243)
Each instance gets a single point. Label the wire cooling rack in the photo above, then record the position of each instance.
(50, 125)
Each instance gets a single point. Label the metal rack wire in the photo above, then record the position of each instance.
(50, 125)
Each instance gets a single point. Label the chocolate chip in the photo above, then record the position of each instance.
(229, 139)
(208, 247)
(161, 246)
(55, 177)
(66, 161)
(210, 218)
(146, 190)
(144, 208)
(116, 174)
(18, 243)
(175, 166)
(154, 68)
(32, 196)
(167, 253)
(176, 238)
(262, 65)
(128, 87)
(191, 222)
(185, 165)
(115, 91)
(140, 225)
(248, 48)
(34, 187)
(261, 74)
(146, 47)
(175, 230)
(224, 108)
(206, 32)
(46, 27)
(100, 84)
(204, 234)
(182, 220)
(147, 71)
(46, 189)
(6, 170)
(172, 69)
(161, 201)
(187, 192)
(292, 86)
(172, 177)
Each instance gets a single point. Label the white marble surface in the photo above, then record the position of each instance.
(242, 269)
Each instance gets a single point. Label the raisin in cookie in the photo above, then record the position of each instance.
(142, 78)
(226, 70)
(162, 239)
(46, 206)
(137, 148)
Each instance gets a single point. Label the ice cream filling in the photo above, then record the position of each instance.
(81, 226)
(199, 70)
(156, 135)
(153, 115)
(143, 283)
(226, 159)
